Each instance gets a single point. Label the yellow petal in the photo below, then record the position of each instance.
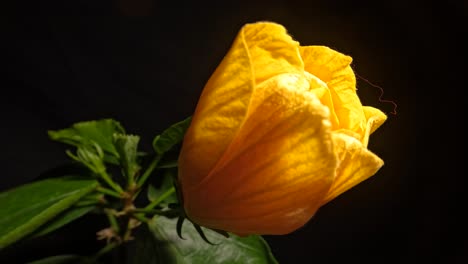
(277, 170)
(375, 118)
(272, 51)
(334, 69)
(355, 164)
(260, 51)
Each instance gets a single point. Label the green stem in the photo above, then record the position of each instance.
(160, 198)
(155, 212)
(147, 211)
(109, 192)
(130, 182)
(110, 182)
(128, 233)
(112, 220)
(148, 171)
(136, 194)
(140, 217)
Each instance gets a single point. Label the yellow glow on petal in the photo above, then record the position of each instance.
(274, 175)
(375, 118)
(334, 69)
(219, 113)
(320, 89)
(278, 131)
(355, 164)
(272, 51)
(260, 51)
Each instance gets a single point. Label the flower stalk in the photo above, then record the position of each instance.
(141, 181)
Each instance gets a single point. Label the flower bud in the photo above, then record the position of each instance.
(277, 132)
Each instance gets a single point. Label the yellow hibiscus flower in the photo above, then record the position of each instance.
(278, 131)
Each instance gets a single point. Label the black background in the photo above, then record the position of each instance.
(145, 63)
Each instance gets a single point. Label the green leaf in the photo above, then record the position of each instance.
(84, 133)
(126, 146)
(167, 247)
(167, 164)
(171, 136)
(91, 156)
(153, 193)
(64, 259)
(166, 183)
(62, 219)
(146, 249)
(26, 208)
